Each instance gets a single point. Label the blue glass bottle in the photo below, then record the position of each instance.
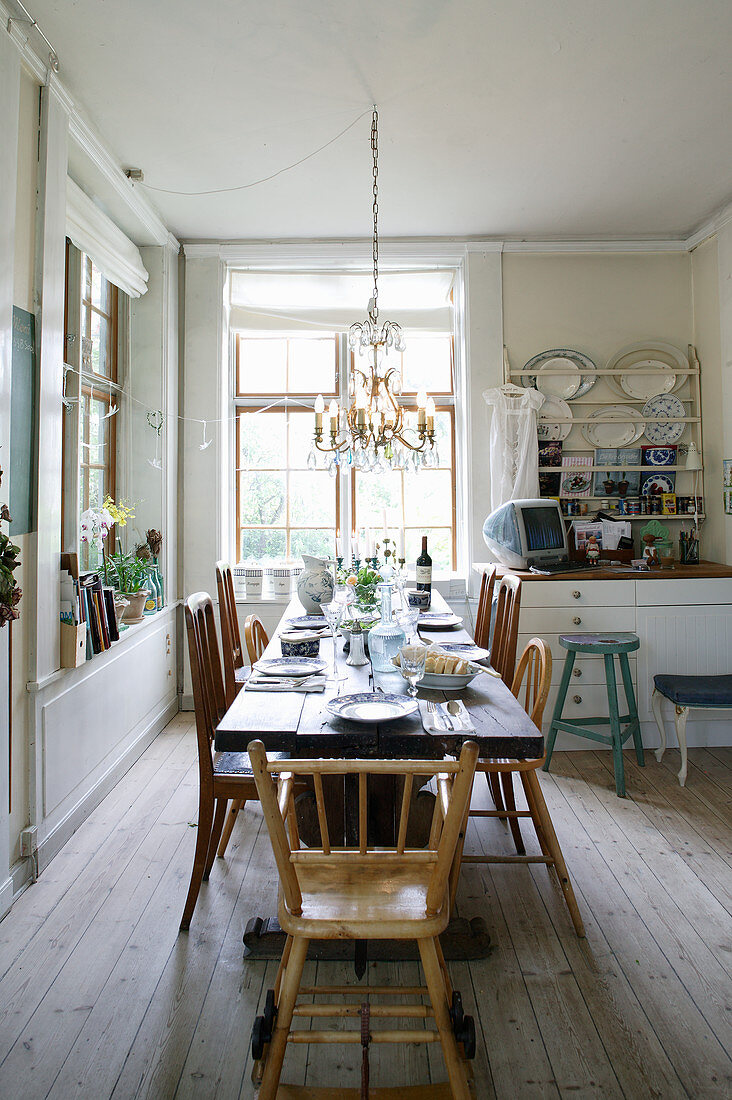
(387, 637)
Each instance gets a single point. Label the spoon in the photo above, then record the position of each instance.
(453, 707)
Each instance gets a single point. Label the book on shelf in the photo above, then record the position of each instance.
(576, 477)
(617, 456)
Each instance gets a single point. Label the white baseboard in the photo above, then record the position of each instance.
(7, 895)
(186, 702)
(67, 826)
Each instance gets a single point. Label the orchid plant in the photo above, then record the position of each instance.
(96, 523)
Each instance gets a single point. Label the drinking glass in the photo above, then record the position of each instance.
(333, 611)
(408, 620)
(413, 658)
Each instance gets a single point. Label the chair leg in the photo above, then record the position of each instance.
(559, 706)
(494, 784)
(657, 703)
(632, 708)
(680, 716)
(236, 805)
(535, 819)
(218, 824)
(275, 1056)
(438, 996)
(203, 835)
(510, 802)
(554, 850)
(617, 738)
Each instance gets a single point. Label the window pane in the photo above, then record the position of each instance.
(301, 426)
(261, 499)
(319, 543)
(426, 363)
(262, 440)
(262, 544)
(428, 498)
(443, 438)
(262, 365)
(312, 365)
(96, 487)
(98, 431)
(312, 499)
(373, 494)
(100, 291)
(87, 278)
(100, 334)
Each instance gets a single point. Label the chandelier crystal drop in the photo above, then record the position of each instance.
(376, 431)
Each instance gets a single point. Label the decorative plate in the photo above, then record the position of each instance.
(558, 385)
(583, 362)
(548, 426)
(647, 378)
(290, 666)
(645, 350)
(658, 483)
(438, 620)
(659, 456)
(615, 426)
(372, 706)
(468, 651)
(665, 404)
(308, 622)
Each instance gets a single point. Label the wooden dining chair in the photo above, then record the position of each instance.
(235, 672)
(256, 637)
(502, 643)
(482, 633)
(364, 893)
(531, 687)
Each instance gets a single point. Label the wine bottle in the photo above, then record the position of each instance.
(424, 569)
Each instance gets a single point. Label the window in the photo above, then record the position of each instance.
(90, 389)
(283, 508)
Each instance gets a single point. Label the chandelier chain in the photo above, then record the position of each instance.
(375, 249)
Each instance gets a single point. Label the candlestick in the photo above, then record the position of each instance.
(402, 552)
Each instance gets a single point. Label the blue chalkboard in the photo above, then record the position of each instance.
(22, 423)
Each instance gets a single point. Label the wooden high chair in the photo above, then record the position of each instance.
(362, 893)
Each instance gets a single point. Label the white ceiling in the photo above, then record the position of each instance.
(511, 118)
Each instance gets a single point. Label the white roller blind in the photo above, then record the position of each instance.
(111, 251)
(417, 300)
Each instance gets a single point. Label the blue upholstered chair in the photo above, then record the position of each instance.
(688, 693)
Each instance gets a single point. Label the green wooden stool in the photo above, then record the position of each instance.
(608, 645)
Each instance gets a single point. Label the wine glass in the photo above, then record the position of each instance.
(333, 611)
(408, 619)
(412, 658)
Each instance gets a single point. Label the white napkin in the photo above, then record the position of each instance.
(434, 721)
(259, 682)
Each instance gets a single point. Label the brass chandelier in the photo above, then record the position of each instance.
(375, 426)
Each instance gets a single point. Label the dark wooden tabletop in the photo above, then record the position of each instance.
(300, 723)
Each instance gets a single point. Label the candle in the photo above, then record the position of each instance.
(430, 410)
(384, 518)
(319, 408)
(401, 555)
(354, 545)
(369, 543)
(421, 402)
(333, 414)
(338, 543)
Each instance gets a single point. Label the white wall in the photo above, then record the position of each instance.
(724, 269)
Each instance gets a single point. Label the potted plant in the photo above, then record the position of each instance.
(129, 576)
(10, 593)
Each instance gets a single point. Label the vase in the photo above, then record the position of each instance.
(387, 637)
(134, 611)
(315, 584)
(120, 603)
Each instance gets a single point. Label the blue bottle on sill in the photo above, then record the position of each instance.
(387, 637)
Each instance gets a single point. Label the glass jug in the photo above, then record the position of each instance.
(387, 637)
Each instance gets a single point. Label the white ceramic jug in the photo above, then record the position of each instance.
(315, 584)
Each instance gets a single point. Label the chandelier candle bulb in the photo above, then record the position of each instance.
(319, 410)
(333, 414)
(430, 410)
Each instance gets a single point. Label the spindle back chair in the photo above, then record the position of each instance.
(256, 637)
(362, 892)
(482, 632)
(232, 652)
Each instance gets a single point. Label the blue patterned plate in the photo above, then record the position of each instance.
(290, 666)
(665, 404)
(308, 622)
(372, 706)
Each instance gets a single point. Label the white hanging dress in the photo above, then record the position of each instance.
(514, 449)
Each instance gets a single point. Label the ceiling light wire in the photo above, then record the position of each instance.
(265, 179)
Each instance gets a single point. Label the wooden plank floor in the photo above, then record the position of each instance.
(101, 998)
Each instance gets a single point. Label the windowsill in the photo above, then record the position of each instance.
(451, 585)
(100, 659)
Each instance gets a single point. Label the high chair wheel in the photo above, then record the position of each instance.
(456, 1013)
(259, 1037)
(466, 1035)
(270, 1012)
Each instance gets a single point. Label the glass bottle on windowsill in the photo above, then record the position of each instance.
(424, 569)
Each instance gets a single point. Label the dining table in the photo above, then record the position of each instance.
(301, 724)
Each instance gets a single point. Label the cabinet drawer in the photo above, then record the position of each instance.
(590, 594)
(561, 620)
(704, 590)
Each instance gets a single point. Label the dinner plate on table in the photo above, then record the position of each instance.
(438, 620)
(467, 651)
(290, 666)
(308, 622)
(371, 707)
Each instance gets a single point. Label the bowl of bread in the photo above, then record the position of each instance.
(445, 670)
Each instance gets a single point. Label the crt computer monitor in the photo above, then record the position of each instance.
(523, 533)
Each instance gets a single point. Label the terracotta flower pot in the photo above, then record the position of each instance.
(133, 612)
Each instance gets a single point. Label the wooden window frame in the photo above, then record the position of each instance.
(240, 394)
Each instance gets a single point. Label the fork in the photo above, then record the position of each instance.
(433, 708)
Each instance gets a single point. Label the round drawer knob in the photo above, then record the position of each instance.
(576, 594)
(576, 698)
(576, 620)
(577, 672)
